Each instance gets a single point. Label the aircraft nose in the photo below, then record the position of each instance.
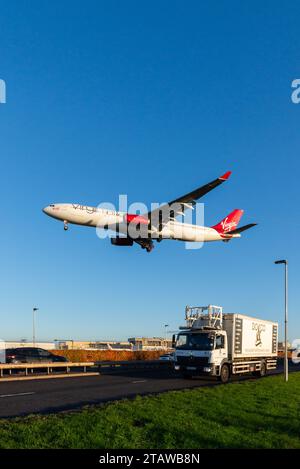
(46, 210)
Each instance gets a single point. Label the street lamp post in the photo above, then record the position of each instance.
(33, 325)
(166, 325)
(286, 364)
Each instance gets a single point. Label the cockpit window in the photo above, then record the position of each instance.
(52, 205)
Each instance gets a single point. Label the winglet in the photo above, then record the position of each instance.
(225, 176)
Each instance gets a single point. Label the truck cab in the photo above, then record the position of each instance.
(200, 351)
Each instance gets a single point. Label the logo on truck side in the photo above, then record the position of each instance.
(258, 328)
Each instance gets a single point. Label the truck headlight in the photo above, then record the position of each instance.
(206, 369)
(177, 367)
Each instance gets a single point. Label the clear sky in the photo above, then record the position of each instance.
(150, 99)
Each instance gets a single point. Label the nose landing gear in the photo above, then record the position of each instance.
(66, 226)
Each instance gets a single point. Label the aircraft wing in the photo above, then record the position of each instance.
(160, 216)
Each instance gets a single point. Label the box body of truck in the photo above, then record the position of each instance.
(250, 337)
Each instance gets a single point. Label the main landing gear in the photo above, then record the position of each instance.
(66, 226)
(145, 244)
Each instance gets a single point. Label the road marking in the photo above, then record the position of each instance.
(17, 394)
(140, 381)
(39, 377)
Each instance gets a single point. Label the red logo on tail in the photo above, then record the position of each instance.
(230, 222)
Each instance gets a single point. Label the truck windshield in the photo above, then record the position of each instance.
(195, 342)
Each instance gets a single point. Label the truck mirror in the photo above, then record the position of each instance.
(173, 341)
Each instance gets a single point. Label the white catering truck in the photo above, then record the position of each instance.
(224, 344)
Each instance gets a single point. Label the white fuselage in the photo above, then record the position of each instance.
(109, 219)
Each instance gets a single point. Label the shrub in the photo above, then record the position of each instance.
(77, 355)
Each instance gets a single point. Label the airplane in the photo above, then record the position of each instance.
(159, 224)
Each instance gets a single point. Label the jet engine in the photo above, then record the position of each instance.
(119, 241)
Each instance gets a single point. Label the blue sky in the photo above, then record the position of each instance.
(149, 99)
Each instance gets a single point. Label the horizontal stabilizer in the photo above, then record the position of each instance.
(241, 229)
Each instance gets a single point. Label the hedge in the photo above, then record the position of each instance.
(109, 355)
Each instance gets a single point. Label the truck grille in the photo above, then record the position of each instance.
(192, 361)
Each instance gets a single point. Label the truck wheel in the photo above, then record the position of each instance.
(225, 374)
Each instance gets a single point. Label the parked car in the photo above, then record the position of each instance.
(32, 355)
(169, 357)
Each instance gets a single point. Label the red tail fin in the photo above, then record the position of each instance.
(230, 222)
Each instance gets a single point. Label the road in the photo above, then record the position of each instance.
(61, 394)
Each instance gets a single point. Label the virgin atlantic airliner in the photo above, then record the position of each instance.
(159, 224)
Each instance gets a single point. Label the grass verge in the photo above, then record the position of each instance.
(251, 414)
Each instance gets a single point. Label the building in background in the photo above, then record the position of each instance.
(24, 343)
(150, 343)
(281, 346)
(92, 345)
(118, 346)
(133, 344)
